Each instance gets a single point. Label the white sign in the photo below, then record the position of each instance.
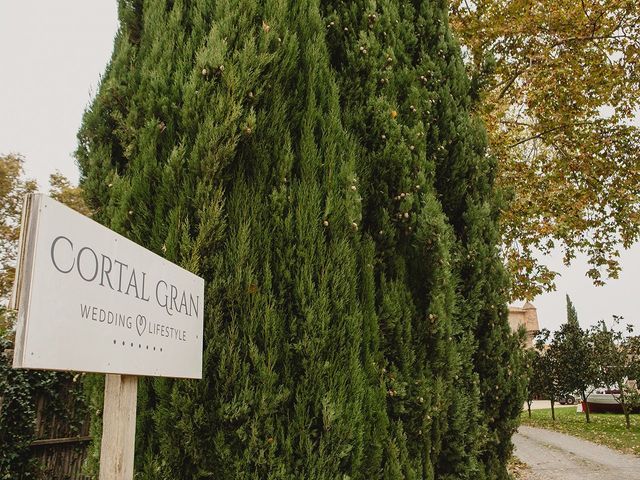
(91, 300)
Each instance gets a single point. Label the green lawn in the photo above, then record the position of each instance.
(605, 428)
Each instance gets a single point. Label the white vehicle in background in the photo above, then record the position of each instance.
(568, 399)
(607, 400)
(603, 400)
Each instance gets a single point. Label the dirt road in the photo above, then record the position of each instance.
(553, 455)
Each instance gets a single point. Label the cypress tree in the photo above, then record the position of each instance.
(572, 315)
(316, 163)
(216, 141)
(387, 107)
(430, 189)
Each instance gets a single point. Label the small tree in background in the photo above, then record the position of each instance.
(575, 356)
(21, 389)
(61, 189)
(618, 354)
(13, 188)
(547, 369)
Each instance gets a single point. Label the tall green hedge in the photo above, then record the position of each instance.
(316, 163)
(432, 210)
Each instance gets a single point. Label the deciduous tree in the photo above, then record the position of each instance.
(548, 369)
(618, 354)
(13, 187)
(557, 83)
(62, 190)
(575, 354)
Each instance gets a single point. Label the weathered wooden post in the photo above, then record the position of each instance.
(118, 427)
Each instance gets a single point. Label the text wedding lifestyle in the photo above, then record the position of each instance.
(123, 320)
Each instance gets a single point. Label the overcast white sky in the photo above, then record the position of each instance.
(52, 55)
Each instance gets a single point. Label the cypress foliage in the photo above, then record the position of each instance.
(215, 140)
(388, 108)
(431, 208)
(572, 315)
(315, 162)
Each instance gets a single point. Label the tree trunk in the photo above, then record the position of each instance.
(625, 409)
(586, 406)
(626, 416)
(529, 407)
(553, 410)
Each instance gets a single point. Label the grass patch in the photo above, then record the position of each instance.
(605, 428)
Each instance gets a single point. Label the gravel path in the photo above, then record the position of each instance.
(553, 455)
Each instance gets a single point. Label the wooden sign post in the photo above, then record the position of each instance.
(91, 300)
(118, 427)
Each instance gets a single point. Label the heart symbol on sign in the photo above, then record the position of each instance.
(141, 324)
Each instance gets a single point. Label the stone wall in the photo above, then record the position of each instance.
(526, 316)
